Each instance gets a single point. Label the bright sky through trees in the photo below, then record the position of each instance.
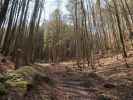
(51, 5)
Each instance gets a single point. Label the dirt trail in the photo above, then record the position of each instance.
(111, 82)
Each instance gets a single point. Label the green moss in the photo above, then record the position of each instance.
(21, 84)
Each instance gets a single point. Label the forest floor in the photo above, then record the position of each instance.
(112, 80)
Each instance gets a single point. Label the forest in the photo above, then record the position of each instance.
(66, 49)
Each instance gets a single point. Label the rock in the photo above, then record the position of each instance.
(6, 65)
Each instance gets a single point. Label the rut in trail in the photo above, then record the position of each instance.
(69, 86)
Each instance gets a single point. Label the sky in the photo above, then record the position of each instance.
(51, 5)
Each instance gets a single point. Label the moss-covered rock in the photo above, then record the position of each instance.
(10, 81)
(19, 80)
